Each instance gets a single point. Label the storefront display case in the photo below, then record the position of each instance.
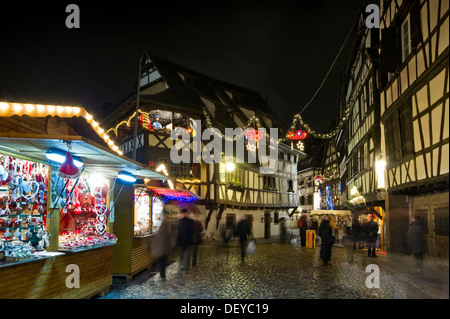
(142, 211)
(23, 208)
(83, 218)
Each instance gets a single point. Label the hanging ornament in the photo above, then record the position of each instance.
(296, 133)
(68, 169)
(254, 134)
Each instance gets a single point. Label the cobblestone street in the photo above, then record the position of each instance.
(284, 271)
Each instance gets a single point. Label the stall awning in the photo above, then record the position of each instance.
(330, 212)
(29, 130)
(96, 157)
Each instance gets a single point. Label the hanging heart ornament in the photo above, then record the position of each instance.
(27, 188)
(101, 218)
(100, 228)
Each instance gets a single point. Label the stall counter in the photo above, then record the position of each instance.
(45, 276)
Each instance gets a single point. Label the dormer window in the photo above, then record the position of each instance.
(149, 75)
(189, 81)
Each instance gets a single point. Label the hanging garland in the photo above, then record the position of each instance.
(298, 118)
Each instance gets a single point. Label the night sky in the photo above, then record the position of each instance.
(281, 49)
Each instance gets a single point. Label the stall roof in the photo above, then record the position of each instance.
(96, 158)
(30, 130)
(330, 212)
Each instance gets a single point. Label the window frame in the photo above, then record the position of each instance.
(403, 33)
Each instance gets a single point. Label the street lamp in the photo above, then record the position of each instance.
(380, 165)
(230, 167)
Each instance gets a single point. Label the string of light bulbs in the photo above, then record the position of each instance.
(297, 117)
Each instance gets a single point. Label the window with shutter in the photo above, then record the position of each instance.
(399, 135)
(406, 128)
(389, 50)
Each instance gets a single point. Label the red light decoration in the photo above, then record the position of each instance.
(297, 135)
(68, 169)
(253, 134)
(173, 194)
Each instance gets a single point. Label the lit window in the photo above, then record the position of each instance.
(406, 39)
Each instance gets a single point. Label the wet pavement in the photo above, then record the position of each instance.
(286, 271)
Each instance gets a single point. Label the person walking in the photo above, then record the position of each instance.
(282, 223)
(356, 230)
(164, 240)
(325, 233)
(197, 239)
(184, 239)
(416, 242)
(314, 225)
(371, 234)
(243, 231)
(303, 227)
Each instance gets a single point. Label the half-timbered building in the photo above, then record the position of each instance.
(171, 97)
(309, 172)
(329, 179)
(414, 84)
(361, 140)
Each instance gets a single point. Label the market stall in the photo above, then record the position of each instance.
(56, 213)
(141, 210)
(340, 218)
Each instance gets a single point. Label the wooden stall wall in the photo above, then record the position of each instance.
(46, 278)
(123, 228)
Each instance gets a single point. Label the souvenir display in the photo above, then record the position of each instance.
(142, 213)
(72, 241)
(23, 201)
(16, 251)
(83, 212)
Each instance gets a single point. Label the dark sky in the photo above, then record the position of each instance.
(282, 49)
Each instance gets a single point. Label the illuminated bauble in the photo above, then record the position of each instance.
(253, 134)
(297, 135)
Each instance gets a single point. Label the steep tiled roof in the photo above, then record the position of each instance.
(185, 87)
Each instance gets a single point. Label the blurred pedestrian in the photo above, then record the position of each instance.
(325, 233)
(243, 231)
(416, 242)
(197, 238)
(303, 227)
(282, 223)
(372, 235)
(314, 225)
(164, 244)
(184, 239)
(356, 231)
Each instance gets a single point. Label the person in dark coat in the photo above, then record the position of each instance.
(282, 223)
(184, 239)
(303, 227)
(356, 230)
(371, 234)
(164, 240)
(314, 225)
(325, 233)
(243, 231)
(197, 239)
(416, 242)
